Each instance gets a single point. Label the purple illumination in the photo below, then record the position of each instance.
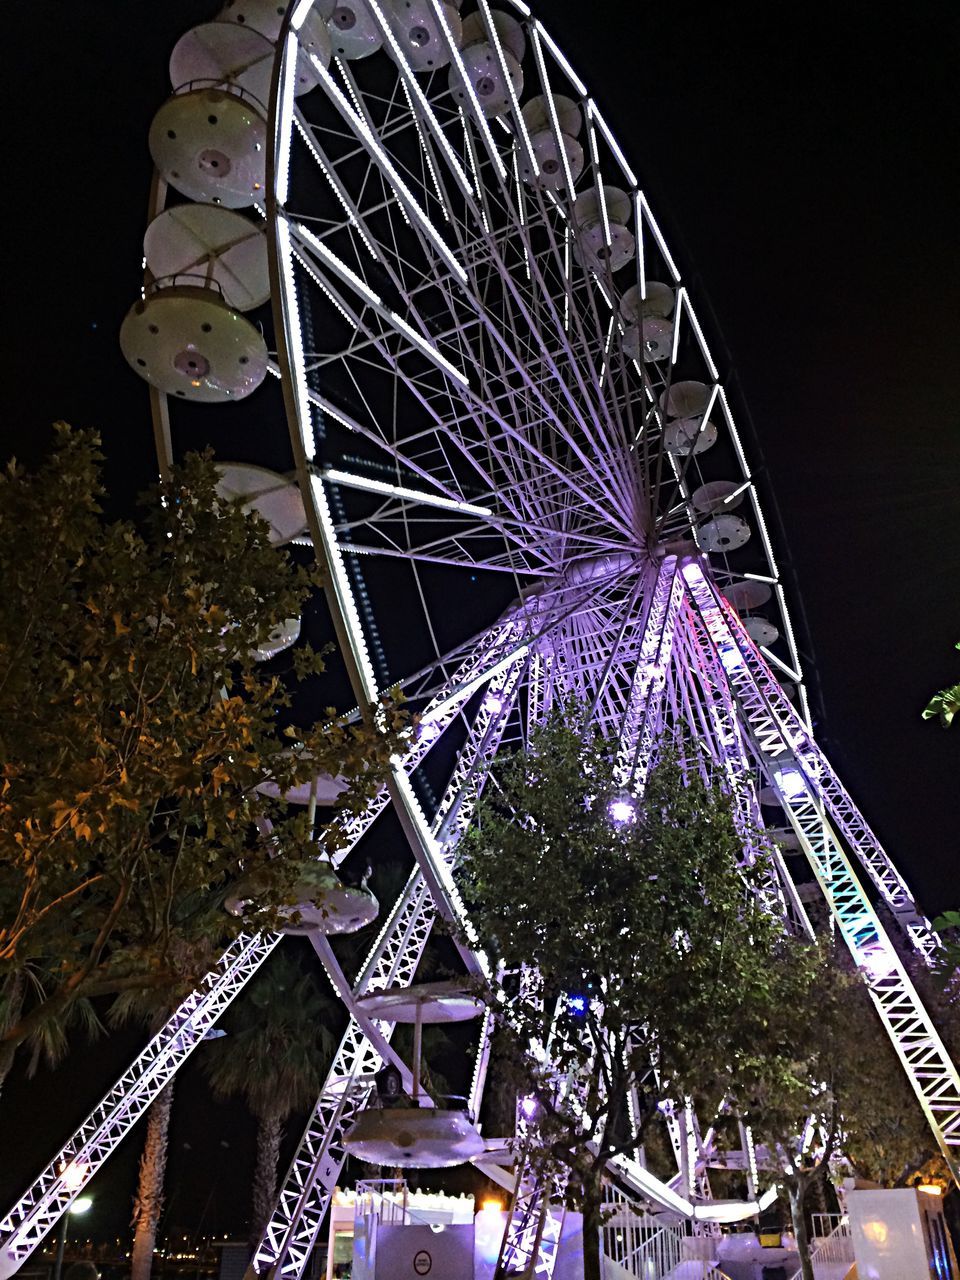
(577, 1005)
(622, 811)
(529, 1107)
(493, 703)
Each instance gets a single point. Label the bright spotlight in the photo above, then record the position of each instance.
(622, 811)
(74, 1174)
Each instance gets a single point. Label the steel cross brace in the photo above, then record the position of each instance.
(530, 1245)
(730, 752)
(25, 1226)
(841, 808)
(642, 722)
(922, 1053)
(284, 1250)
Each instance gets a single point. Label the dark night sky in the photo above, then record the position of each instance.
(802, 161)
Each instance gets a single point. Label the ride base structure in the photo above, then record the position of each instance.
(397, 251)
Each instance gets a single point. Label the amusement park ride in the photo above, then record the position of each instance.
(479, 391)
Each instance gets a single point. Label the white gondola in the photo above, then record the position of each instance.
(748, 594)
(685, 399)
(483, 67)
(653, 340)
(418, 32)
(275, 498)
(657, 301)
(604, 241)
(353, 29)
(428, 1002)
(210, 145)
(761, 630)
(219, 245)
(718, 495)
(266, 17)
(724, 533)
(689, 435)
(282, 637)
(187, 342)
(320, 903)
(224, 54)
(551, 145)
(413, 1136)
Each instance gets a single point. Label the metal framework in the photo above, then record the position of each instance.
(521, 473)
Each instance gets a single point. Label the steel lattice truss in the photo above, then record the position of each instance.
(521, 489)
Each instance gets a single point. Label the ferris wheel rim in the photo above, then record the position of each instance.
(325, 538)
(316, 481)
(769, 582)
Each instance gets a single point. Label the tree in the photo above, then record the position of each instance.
(646, 934)
(148, 1202)
(137, 731)
(816, 1054)
(944, 705)
(275, 1055)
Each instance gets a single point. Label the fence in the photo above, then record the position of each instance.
(649, 1248)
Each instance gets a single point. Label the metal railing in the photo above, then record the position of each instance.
(649, 1247)
(832, 1243)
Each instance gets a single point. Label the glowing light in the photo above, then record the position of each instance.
(81, 1204)
(879, 961)
(930, 1188)
(622, 811)
(429, 733)
(529, 1107)
(493, 703)
(560, 60)
(285, 121)
(74, 1174)
(577, 1005)
(791, 783)
(352, 481)
(496, 1206)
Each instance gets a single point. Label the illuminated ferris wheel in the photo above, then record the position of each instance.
(469, 375)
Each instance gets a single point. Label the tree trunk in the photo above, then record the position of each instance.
(11, 1004)
(269, 1133)
(592, 1223)
(149, 1198)
(795, 1190)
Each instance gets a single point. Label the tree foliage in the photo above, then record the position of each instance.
(648, 938)
(943, 706)
(137, 729)
(820, 1080)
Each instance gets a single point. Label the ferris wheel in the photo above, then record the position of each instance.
(401, 243)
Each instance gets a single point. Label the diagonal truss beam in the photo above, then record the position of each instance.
(795, 773)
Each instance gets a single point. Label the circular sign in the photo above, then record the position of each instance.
(422, 1262)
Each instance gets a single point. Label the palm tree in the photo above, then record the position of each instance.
(149, 1198)
(274, 1056)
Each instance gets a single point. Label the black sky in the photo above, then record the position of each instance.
(803, 163)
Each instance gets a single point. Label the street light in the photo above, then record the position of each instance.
(80, 1205)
